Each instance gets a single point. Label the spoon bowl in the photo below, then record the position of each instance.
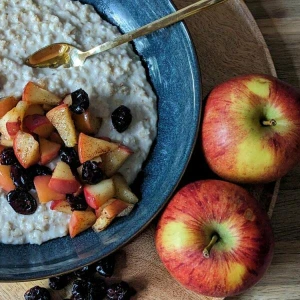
(66, 55)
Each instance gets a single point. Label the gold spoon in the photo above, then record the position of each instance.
(66, 55)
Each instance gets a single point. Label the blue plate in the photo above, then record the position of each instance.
(172, 66)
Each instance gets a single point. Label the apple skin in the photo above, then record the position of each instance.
(236, 145)
(194, 214)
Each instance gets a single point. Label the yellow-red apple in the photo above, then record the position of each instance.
(39, 125)
(6, 182)
(251, 129)
(6, 104)
(80, 221)
(48, 151)
(87, 122)
(214, 238)
(61, 206)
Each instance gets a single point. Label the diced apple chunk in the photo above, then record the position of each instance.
(55, 137)
(122, 189)
(34, 94)
(113, 160)
(61, 206)
(34, 109)
(61, 119)
(108, 212)
(48, 151)
(6, 182)
(26, 149)
(90, 147)
(39, 125)
(63, 181)
(11, 122)
(81, 221)
(6, 104)
(87, 122)
(96, 195)
(44, 192)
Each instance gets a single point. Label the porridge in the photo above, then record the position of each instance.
(111, 79)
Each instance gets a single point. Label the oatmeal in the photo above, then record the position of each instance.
(111, 79)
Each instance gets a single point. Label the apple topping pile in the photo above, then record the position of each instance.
(42, 130)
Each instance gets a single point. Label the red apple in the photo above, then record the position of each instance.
(214, 238)
(87, 122)
(250, 129)
(80, 221)
(34, 109)
(61, 206)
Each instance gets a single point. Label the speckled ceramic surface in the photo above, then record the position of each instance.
(173, 70)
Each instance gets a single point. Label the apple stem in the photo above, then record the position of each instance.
(207, 249)
(271, 122)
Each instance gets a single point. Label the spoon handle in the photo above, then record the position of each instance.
(153, 26)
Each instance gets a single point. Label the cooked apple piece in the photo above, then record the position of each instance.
(63, 181)
(122, 189)
(34, 94)
(6, 182)
(44, 192)
(11, 122)
(87, 122)
(38, 124)
(68, 100)
(55, 137)
(34, 109)
(6, 143)
(48, 151)
(26, 148)
(81, 221)
(108, 212)
(61, 206)
(113, 160)
(97, 194)
(114, 208)
(47, 107)
(90, 147)
(6, 104)
(61, 118)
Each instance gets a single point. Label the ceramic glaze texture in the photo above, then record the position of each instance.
(169, 57)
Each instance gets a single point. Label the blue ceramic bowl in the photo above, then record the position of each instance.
(172, 66)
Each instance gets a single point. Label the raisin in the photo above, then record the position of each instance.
(21, 177)
(69, 156)
(77, 202)
(59, 282)
(22, 202)
(96, 289)
(120, 291)
(8, 157)
(80, 101)
(37, 293)
(38, 170)
(106, 266)
(91, 172)
(79, 290)
(121, 118)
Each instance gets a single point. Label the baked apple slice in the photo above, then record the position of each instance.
(81, 221)
(61, 119)
(63, 181)
(6, 104)
(34, 94)
(113, 160)
(122, 189)
(39, 125)
(26, 148)
(61, 206)
(6, 182)
(97, 194)
(44, 192)
(34, 109)
(90, 147)
(108, 212)
(48, 151)
(87, 122)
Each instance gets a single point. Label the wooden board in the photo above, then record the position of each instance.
(228, 43)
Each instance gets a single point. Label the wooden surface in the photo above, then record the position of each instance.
(228, 45)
